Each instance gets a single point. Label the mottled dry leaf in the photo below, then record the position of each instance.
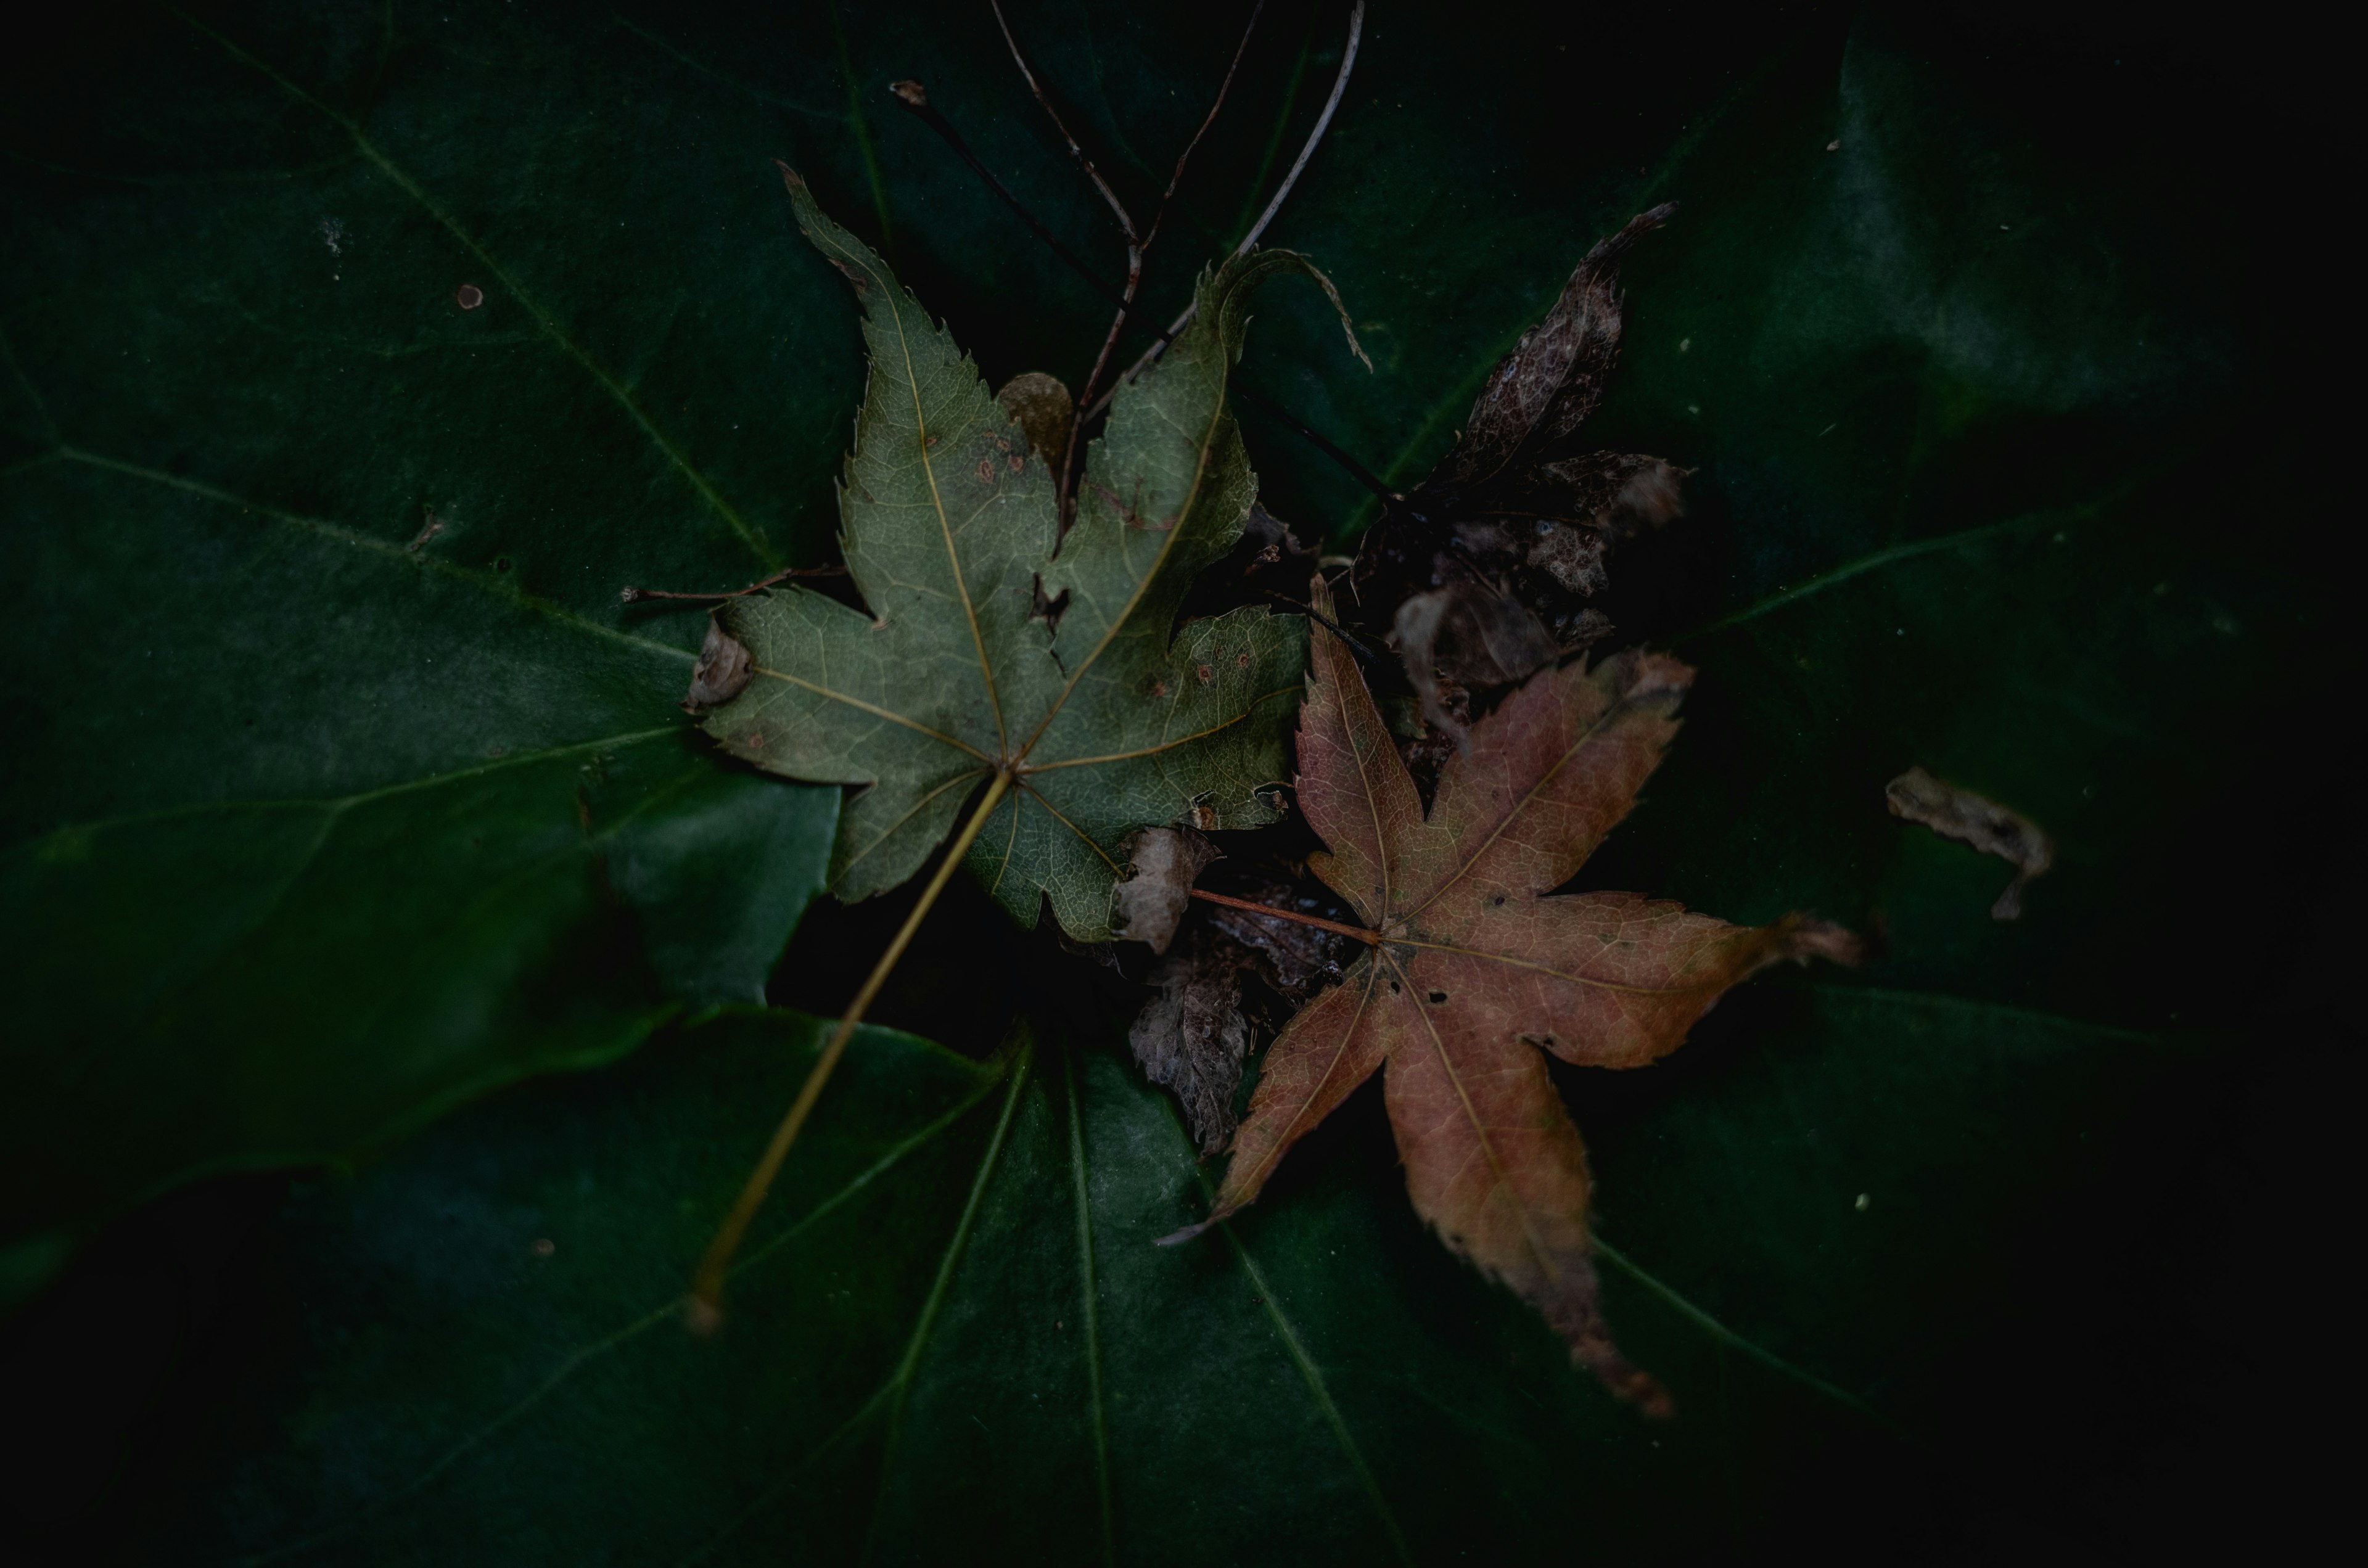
(722, 672)
(1192, 1038)
(1982, 822)
(1162, 865)
(1485, 568)
(1475, 966)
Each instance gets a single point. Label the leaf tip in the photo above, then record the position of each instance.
(1178, 1238)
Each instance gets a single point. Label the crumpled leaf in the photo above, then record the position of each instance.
(951, 538)
(1488, 562)
(1475, 966)
(722, 672)
(1191, 1037)
(1989, 827)
(1162, 864)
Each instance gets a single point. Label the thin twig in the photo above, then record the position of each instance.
(635, 595)
(1159, 214)
(705, 1308)
(1138, 241)
(1357, 471)
(1363, 654)
(1125, 223)
(1322, 123)
(915, 97)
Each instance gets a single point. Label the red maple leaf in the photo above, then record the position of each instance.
(1472, 966)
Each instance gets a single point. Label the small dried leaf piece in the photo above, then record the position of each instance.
(1472, 633)
(1190, 1038)
(1041, 405)
(1476, 967)
(1164, 863)
(1984, 824)
(1505, 540)
(722, 672)
(1540, 393)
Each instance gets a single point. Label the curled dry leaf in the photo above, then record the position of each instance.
(1980, 822)
(723, 670)
(1487, 565)
(1162, 865)
(1472, 967)
(1232, 970)
(1191, 1037)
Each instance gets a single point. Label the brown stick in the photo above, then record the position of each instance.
(1371, 939)
(635, 595)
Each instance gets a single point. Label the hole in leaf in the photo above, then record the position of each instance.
(1439, 999)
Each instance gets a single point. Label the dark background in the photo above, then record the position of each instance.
(2118, 1351)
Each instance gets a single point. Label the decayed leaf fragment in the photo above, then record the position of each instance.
(1485, 565)
(1473, 967)
(1977, 820)
(722, 672)
(1101, 721)
(1162, 865)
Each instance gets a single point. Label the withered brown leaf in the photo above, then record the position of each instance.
(722, 673)
(1472, 966)
(1484, 569)
(1989, 827)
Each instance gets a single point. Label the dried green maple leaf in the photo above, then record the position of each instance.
(1099, 720)
(1472, 966)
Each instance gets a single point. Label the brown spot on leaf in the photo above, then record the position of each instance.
(723, 670)
(468, 296)
(1989, 827)
(1206, 674)
(1043, 409)
(986, 472)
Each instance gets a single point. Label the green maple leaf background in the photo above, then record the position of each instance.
(342, 790)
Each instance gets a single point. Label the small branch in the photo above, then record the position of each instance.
(1322, 123)
(705, 1308)
(915, 97)
(1159, 214)
(1371, 939)
(1364, 655)
(1076, 152)
(1357, 471)
(635, 595)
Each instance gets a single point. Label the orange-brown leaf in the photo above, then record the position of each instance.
(1477, 965)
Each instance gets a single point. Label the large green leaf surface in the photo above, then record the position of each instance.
(343, 785)
(2007, 463)
(1021, 1373)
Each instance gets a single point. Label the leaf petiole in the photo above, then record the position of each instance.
(704, 1310)
(1371, 939)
